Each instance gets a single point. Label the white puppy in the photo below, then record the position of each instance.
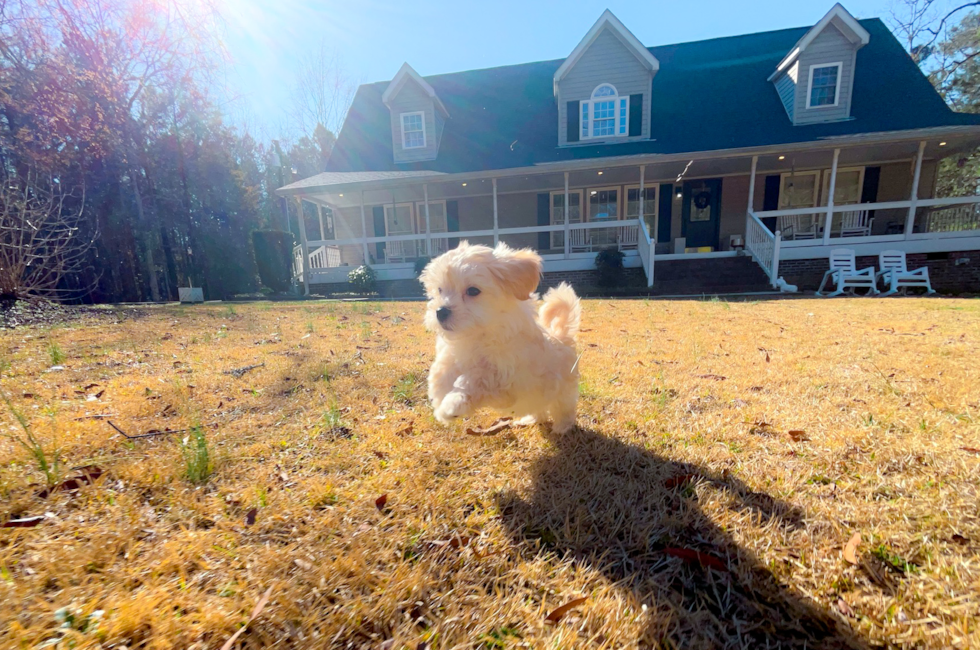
(493, 348)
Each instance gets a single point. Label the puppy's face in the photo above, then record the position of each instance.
(471, 287)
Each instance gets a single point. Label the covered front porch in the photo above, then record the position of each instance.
(867, 192)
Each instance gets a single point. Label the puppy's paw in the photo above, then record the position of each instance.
(563, 426)
(454, 405)
(527, 421)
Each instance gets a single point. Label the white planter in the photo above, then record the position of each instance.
(190, 294)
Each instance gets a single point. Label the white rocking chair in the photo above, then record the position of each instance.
(843, 273)
(580, 241)
(395, 252)
(894, 271)
(628, 237)
(856, 223)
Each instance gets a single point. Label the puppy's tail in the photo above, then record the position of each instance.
(561, 313)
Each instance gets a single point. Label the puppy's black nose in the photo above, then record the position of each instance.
(443, 314)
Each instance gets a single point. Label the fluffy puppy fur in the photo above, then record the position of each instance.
(493, 347)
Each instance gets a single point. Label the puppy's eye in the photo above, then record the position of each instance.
(440, 291)
(472, 291)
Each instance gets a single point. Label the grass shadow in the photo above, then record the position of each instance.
(621, 509)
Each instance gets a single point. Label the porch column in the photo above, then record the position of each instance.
(914, 196)
(319, 218)
(567, 229)
(428, 231)
(643, 170)
(364, 230)
(750, 209)
(496, 225)
(830, 199)
(303, 245)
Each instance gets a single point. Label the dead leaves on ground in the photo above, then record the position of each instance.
(259, 606)
(850, 549)
(24, 522)
(500, 425)
(559, 613)
(690, 556)
(87, 475)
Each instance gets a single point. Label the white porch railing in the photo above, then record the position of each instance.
(646, 249)
(623, 233)
(322, 257)
(763, 246)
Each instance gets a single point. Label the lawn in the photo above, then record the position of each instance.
(725, 456)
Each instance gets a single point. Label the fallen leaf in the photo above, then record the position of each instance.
(691, 557)
(845, 609)
(850, 550)
(303, 564)
(259, 606)
(406, 431)
(798, 435)
(380, 454)
(715, 377)
(28, 395)
(972, 450)
(380, 502)
(959, 539)
(755, 389)
(766, 352)
(557, 615)
(90, 387)
(88, 475)
(250, 516)
(492, 430)
(26, 522)
(675, 481)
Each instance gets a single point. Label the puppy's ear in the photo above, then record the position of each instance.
(517, 270)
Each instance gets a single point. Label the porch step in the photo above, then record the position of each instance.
(710, 275)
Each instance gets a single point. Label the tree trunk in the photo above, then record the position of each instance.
(146, 234)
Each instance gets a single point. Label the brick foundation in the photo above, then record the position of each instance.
(951, 273)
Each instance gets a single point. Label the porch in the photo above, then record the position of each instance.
(868, 193)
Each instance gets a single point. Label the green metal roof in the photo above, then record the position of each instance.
(708, 95)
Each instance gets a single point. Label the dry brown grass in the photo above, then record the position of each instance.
(885, 392)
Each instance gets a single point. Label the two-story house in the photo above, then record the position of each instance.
(718, 165)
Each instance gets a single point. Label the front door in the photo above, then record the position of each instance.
(702, 213)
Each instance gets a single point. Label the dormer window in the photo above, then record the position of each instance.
(824, 89)
(606, 114)
(413, 130)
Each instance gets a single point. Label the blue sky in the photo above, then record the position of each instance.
(266, 39)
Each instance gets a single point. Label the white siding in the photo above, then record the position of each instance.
(607, 60)
(786, 88)
(411, 98)
(831, 46)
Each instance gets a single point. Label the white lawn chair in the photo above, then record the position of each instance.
(580, 241)
(844, 274)
(894, 271)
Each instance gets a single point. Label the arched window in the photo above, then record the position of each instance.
(605, 114)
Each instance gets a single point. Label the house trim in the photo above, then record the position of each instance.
(809, 86)
(425, 136)
(858, 35)
(607, 19)
(405, 73)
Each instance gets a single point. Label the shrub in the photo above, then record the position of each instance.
(362, 279)
(273, 257)
(609, 264)
(197, 456)
(420, 265)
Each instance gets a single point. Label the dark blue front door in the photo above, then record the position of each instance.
(702, 212)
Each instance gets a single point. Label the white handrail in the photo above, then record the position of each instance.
(647, 250)
(763, 246)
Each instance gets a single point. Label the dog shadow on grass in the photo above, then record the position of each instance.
(629, 513)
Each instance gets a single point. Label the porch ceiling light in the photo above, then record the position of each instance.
(782, 157)
(593, 191)
(942, 144)
(600, 173)
(464, 184)
(679, 194)
(340, 195)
